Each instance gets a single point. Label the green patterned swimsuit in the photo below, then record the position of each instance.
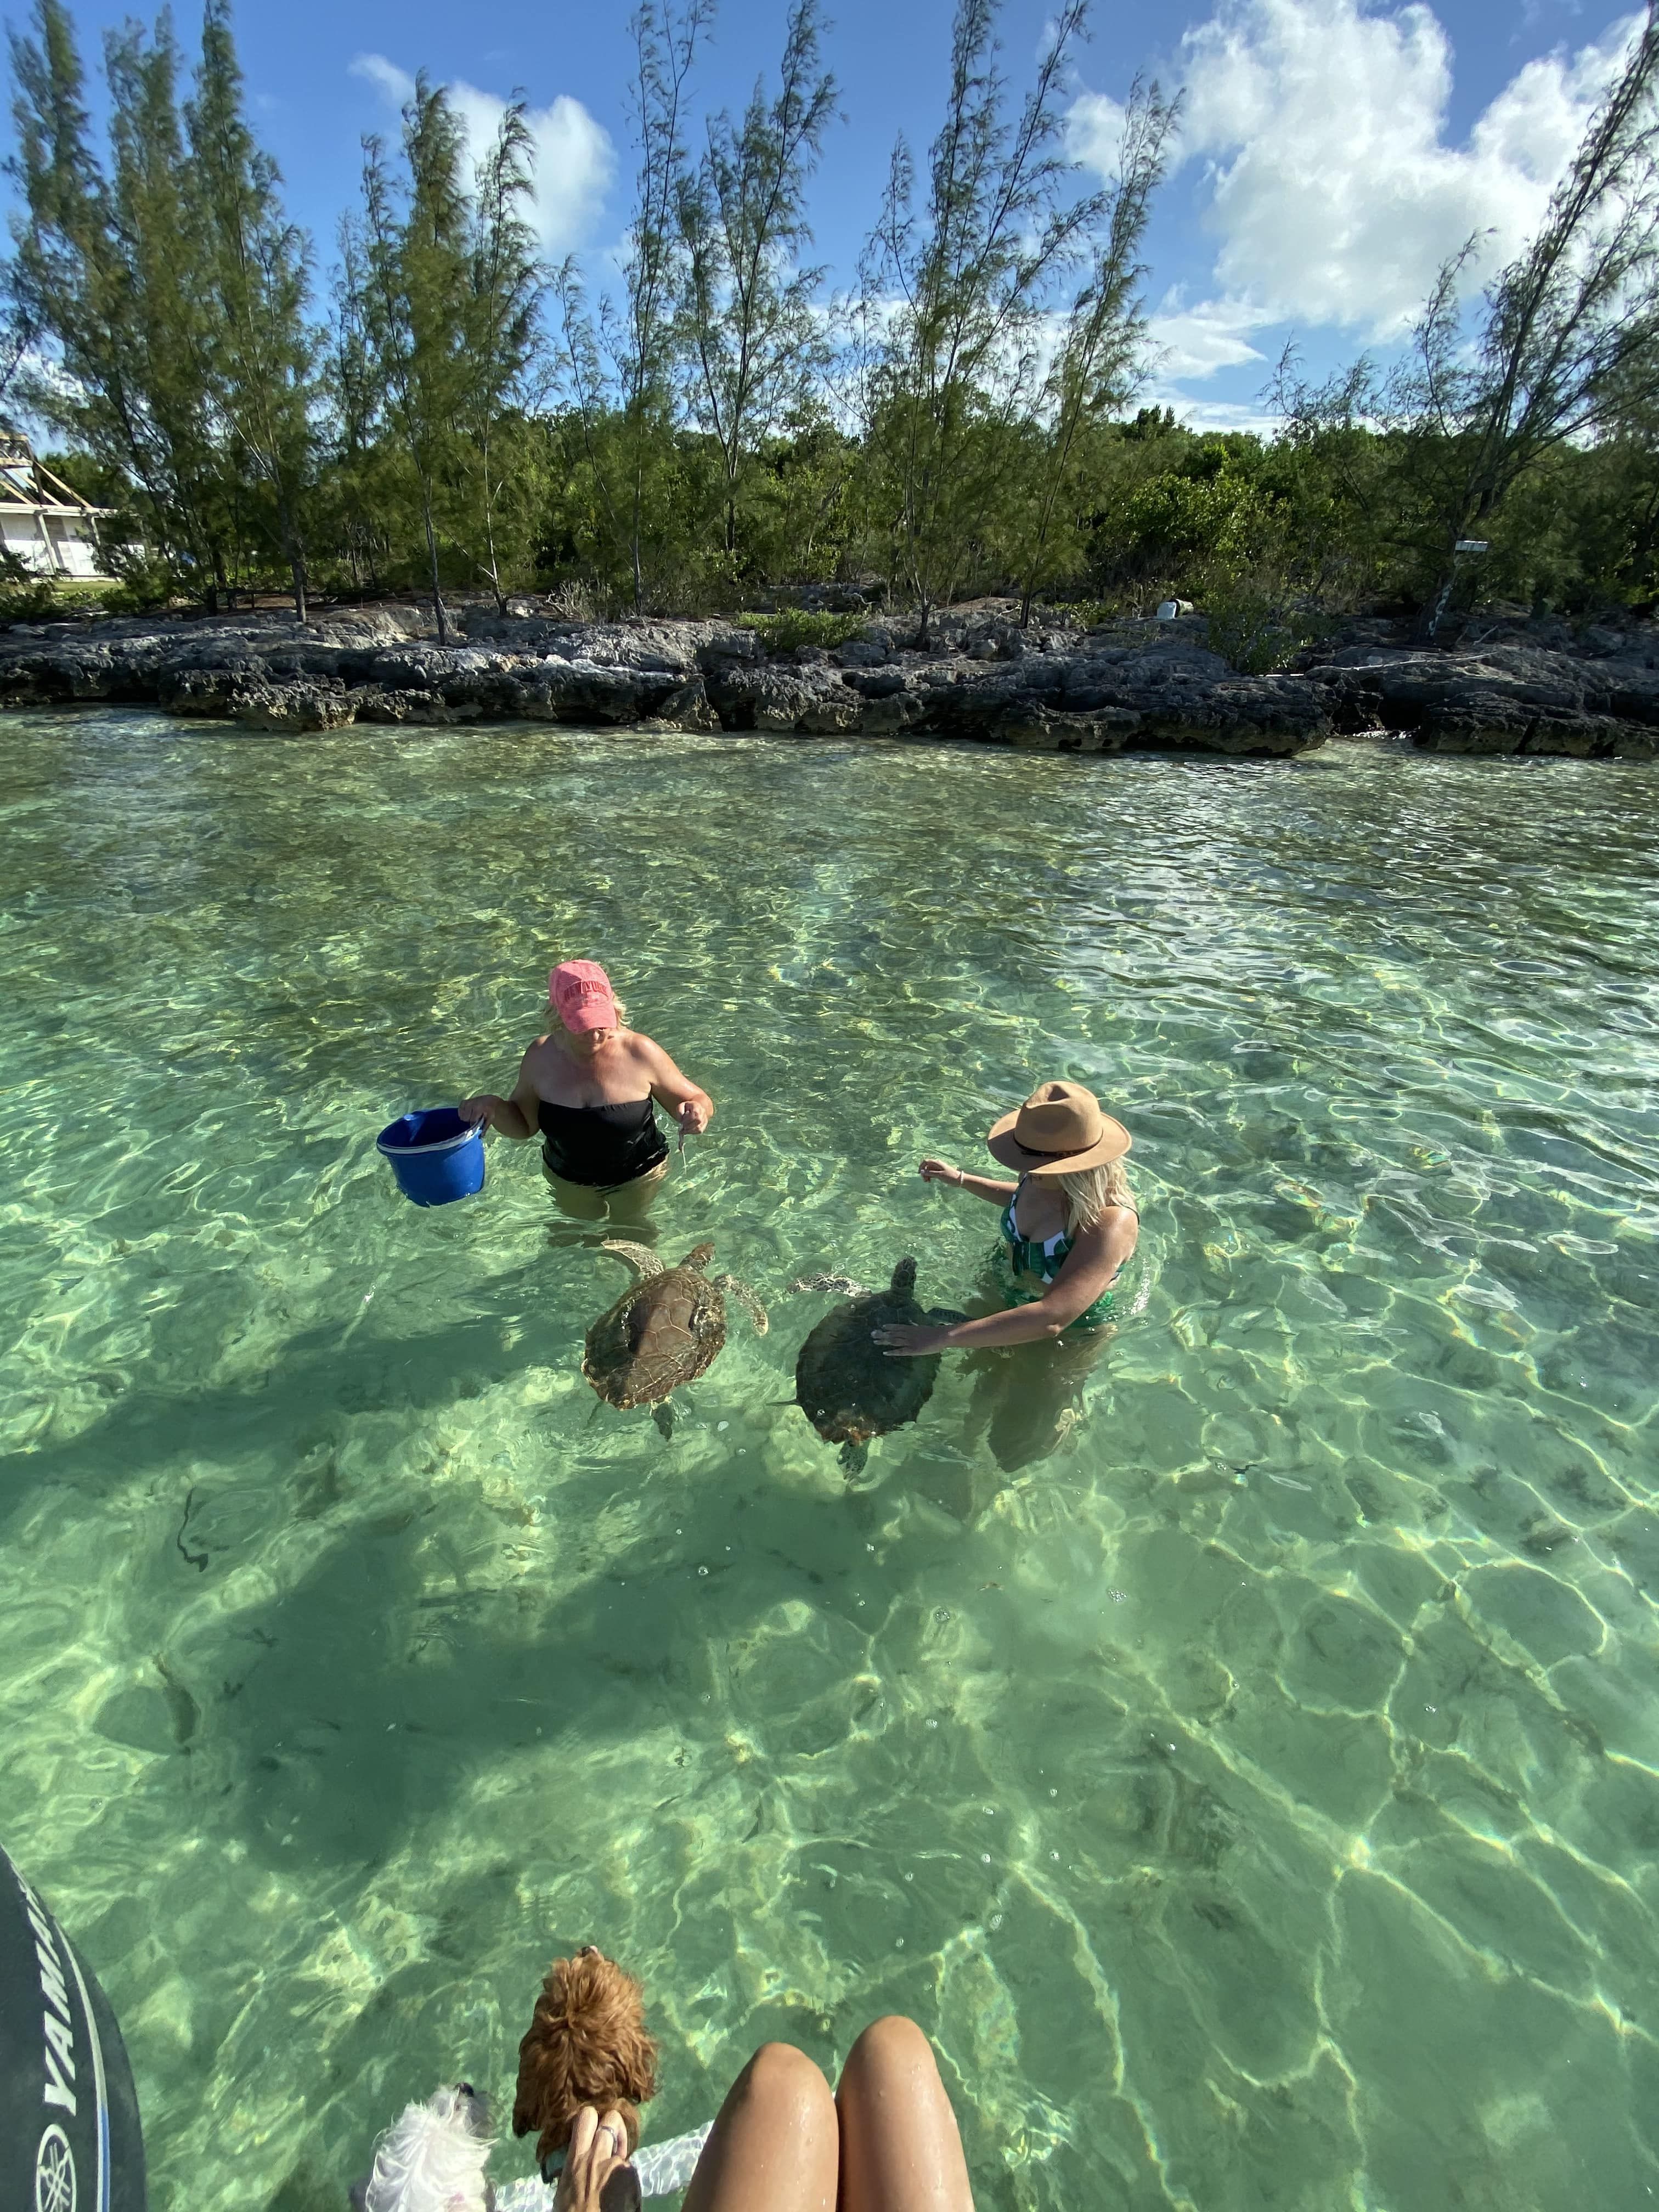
(1044, 1257)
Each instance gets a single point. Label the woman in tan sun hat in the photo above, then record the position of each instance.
(1068, 1224)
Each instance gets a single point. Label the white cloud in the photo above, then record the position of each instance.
(1094, 132)
(1198, 341)
(574, 158)
(1214, 414)
(1331, 186)
(396, 85)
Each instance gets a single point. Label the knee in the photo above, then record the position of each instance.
(891, 2046)
(782, 2077)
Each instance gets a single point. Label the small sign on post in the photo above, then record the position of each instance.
(1471, 545)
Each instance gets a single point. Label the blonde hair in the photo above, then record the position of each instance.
(1090, 1193)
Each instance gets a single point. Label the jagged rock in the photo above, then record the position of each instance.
(294, 708)
(1507, 696)
(582, 691)
(767, 697)
(685, 707)
(891, 715)
(206, 691)
(838, 714)
(1499, 726)
(875, 683)
(1512, 687)
(1040, 729)
(421, 709)
(728, 647)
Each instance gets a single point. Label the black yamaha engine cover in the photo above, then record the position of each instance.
(69, 2139)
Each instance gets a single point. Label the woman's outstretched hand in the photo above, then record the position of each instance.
(940, 1172)
(902, 1339)
(598, 2153)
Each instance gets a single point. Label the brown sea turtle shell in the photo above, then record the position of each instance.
(845, 1383)
(666, 1329)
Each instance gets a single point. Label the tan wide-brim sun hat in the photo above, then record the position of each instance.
(1059, 1130)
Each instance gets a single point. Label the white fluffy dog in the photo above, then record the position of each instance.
(432, 2158)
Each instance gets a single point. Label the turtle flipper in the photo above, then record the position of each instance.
(640, 1257)
(746, 1298)
(844, 1284)
(663, 1415)
(944, 1317)
(854, 1457)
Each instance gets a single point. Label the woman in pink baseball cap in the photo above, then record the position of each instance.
(587, 1088)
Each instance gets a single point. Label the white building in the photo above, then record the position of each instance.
(50, 528)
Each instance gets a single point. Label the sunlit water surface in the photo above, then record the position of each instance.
(1255, 1797)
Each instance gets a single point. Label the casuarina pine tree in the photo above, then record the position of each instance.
(259, 353)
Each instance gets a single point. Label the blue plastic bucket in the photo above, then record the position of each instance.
(435, 1155)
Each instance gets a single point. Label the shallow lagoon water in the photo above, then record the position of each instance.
(1257, 1798)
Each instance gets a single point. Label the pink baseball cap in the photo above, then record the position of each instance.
(581, 992)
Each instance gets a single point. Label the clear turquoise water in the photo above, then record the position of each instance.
(1255, 1796)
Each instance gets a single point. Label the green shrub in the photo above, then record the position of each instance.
(24, 595)
(781, 634)
(1256, 628)
(144, 583)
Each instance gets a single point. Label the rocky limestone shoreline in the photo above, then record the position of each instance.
(1138, 686)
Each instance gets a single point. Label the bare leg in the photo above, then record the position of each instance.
(624, 1203)
(617, 1208)
(630, 1202)
(900, 2150)
(1037, 1394)
(773, 2145)
(579, 1200)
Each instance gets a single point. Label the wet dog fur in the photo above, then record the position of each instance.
(587, 2044)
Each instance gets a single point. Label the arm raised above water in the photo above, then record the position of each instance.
(985, 1186)
(692, 1108)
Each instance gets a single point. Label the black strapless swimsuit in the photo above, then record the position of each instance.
(600, 1145)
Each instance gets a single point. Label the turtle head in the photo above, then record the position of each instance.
(698, 1258)
(904, 1278)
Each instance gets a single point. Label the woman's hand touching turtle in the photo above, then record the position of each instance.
(902, 1339)
(597, 2176)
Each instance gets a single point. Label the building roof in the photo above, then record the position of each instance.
(26, 484)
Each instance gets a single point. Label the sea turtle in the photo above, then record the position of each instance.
(664, 1330)
(846, 1385)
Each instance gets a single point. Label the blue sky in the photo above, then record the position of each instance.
(1335, 151)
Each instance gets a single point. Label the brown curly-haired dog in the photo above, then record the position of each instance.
(586, 2046)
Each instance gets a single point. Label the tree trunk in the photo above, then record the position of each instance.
(638, 572)
(432, 556)
(489, 548)
(296, 562)
(1434, 610)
